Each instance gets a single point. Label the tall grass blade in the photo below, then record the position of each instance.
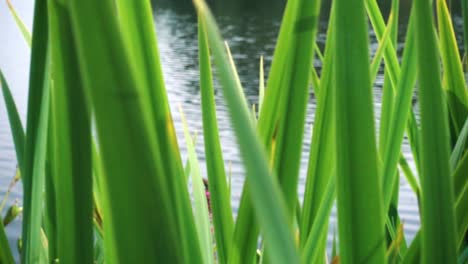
(145, 201)
(71, 143)
(401, 117)
(461, 209)
(402, 82)
(391, 32)
(137, 27)
(438, 218)
(245, 230)
(50, 198)
(34, 240)
(19, 22)
(413, 254)
(453, 81)
(281, 123)
(6, 255)
(311, 253)
(410, 177)
(261, 86)
(267, 199)
(202, 215)
(387, 37)
(465, 25)
(220, 202)
(378, 24)
(358, 185)
(17, 130)
(459, 147)
(36, 96)
(236, 75)
(321, 164)
(459, 176)
(291, 109)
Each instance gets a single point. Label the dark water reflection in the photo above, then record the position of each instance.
(250, 27)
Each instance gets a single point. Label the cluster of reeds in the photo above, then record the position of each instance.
(103, 177)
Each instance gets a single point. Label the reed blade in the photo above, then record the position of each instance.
(219, 193)
(438, 217)
(359, 198)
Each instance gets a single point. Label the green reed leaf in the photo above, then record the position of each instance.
(17, 130)
(359, 198)
(202, 215)
(219, 193)
(438, 217)
(268, 202)
(19, 22)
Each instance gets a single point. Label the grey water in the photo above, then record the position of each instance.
(250, 28)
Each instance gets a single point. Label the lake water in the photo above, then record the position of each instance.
(251, 31)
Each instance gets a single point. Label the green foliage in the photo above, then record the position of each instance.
(102, 174)
(219, 194)
(438, 217)
(359, 198)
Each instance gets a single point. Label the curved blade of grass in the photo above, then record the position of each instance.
(386, 111)
(318, 52)
(261, 86)
(387, 37)
(311, 252)
(315, 80)
(321, 164)
(461, 197)
(7, 193)
(438, 218)
(410, 177)
(358, 185)
(247, 234)
(219, 193)
(17, 130)
(454, 82)
(281, 123)
(139, 192)
(393, 69)
(465, 24)
(202, 218)
(236, 75)
(388, 90)
(72, 144)
(459, 148)
(292, 110)
(402, 83)
(400, 111)
(19, 22)
(6, 255)
(50, 198)
(34, 241)
(267, 199)
(137, 24)
(31, 183)
(459, 176)
(461, 207)
(413, 254)
(378, 24)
